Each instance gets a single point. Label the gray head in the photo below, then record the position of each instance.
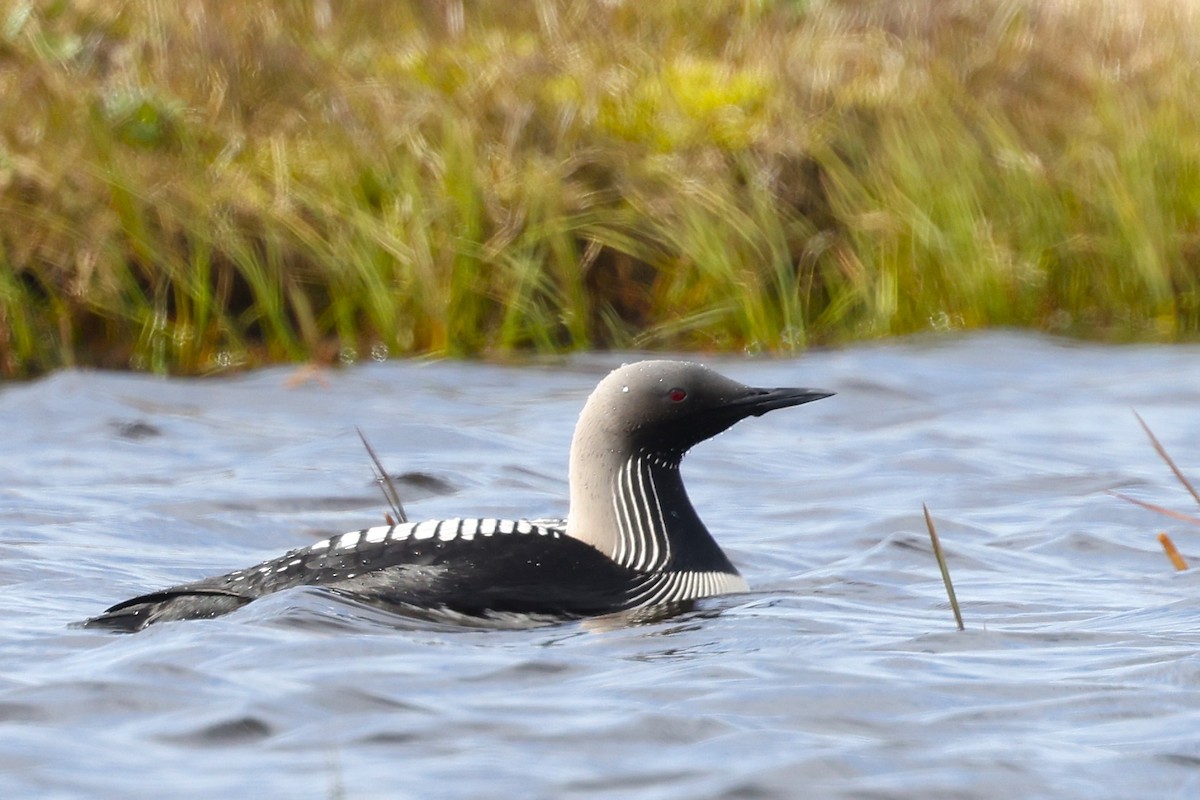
(631, 436)
(666, 407)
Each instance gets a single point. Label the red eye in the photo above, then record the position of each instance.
(677, 395)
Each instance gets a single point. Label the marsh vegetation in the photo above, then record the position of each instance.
(194, 186)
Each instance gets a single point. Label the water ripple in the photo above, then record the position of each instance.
(841, 675)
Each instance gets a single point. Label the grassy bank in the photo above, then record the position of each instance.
(192, 185)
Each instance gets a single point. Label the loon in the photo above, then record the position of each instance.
(631, 540)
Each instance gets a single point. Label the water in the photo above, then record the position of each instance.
(841, 675)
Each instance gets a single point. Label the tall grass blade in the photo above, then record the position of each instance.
(1162, 452)
(241, 187)
(384, 480)
(1166, 512)
(941, 560)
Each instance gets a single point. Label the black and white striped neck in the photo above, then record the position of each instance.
(640, 491)
(643, 519)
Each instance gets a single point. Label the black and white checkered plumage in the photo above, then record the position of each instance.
(632, 539)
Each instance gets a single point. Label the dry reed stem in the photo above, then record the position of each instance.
(1158, 509)
(941, 560)
(1172, 551)
(1162, 452)
(385, 483)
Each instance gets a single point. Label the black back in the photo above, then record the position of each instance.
(532, 569)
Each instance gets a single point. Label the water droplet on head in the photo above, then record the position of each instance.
(625, 389)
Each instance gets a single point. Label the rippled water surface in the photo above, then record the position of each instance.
(840, 675)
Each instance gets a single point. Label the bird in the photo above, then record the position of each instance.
(631, 539)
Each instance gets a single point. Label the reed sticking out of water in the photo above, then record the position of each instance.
(941, 560)
(1162, 452)
(1166, 512)
(1172, 552)
(1167, 545)
(385, 482)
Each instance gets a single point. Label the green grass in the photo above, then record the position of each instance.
(194, 186)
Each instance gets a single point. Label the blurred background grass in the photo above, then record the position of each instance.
(194, 186)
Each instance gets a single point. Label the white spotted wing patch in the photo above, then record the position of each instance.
(448, 529)
(554, 528)
(445, 530)
(357, 554)
(377, 535)
(349, 554)
(426, 530)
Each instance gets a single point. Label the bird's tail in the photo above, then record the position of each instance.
(170, 604)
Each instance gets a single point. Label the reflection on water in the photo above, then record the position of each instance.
(840, 675)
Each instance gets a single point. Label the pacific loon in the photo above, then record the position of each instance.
(631, 539)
